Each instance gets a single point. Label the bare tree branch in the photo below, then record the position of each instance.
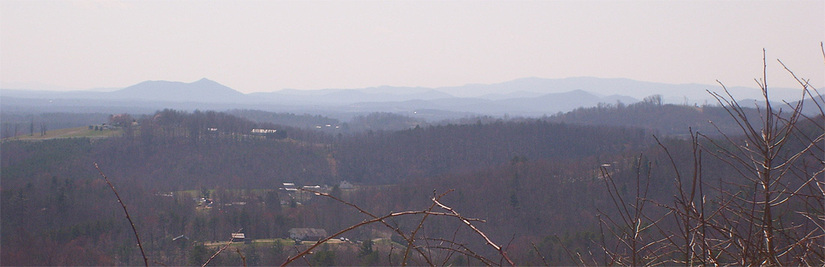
(119, 200)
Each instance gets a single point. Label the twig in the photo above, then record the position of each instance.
(420, 225)
(383, 220)
(221, 250)
(479, 232)
(396, 229)
(570, 254)
(539, 252)
(507, 247)
(145, 260)
(305, 259)
(243, 259)
(389, 255)
(379, 219)
(464, 250)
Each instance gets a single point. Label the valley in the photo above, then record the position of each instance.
(190, 179)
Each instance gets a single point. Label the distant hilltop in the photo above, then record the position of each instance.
(520, 97)
(203, 90)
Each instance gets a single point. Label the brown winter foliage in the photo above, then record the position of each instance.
(518, 192)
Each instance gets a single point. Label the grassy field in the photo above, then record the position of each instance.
(68, 133)
(256, 242)
(268, 241)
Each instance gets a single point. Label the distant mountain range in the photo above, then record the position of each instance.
(521, 97)
(203, 90)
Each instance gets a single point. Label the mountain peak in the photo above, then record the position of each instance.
(204, 90)
(204, 80)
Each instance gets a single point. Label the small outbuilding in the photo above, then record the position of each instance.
(346, 185)
(307, 234)
(238, 237)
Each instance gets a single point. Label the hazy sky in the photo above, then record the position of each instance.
(270, 45)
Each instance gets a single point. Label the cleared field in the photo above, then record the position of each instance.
(259, 242)
(68, 133)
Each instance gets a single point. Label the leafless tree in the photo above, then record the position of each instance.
(413, 243)
(769, 213)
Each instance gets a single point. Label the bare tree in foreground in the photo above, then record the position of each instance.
(770, 213)
(421, 246)
(414, 243)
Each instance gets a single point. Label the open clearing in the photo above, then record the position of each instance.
(68, 133)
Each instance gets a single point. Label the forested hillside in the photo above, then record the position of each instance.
(663, 119)
(546, 190)
(30, 123)
(391, 157)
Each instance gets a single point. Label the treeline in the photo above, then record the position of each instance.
(382, 121)
(540, 186)
(304, 121)
(377, 121)
(392, 157)
(653, 115)
(14, 124)
(549, 210)
(207, 148)
(53, 197)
